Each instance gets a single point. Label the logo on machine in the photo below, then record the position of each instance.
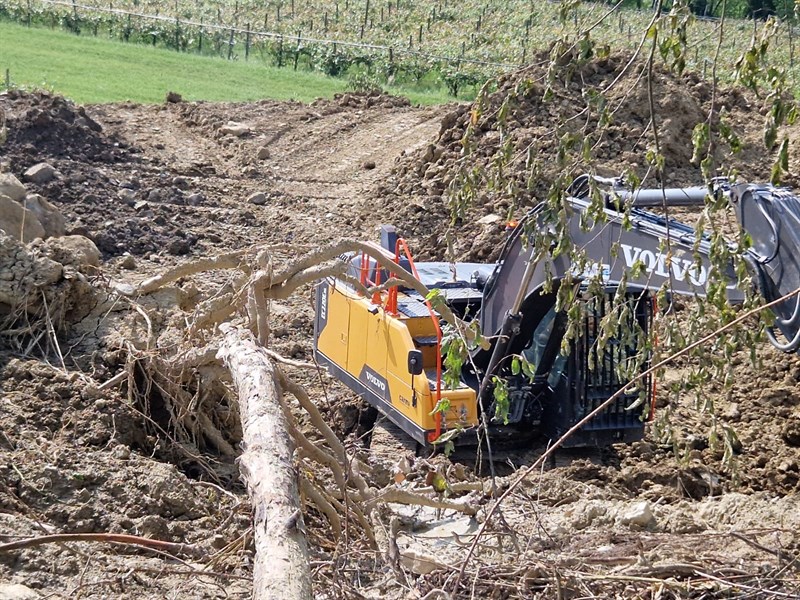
(322, 307)
(656, 263)
(374, 382)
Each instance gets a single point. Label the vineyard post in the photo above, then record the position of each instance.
(429, 23)
(200, 38)
(29, 13)
(247, 43)
(278, 12)
(266, 18)
(292, 9)
(389, 8)
(336, 15)
(75, 9)
(361, 33)
(478, 24)
(381, 14)
(177, 33)
(325, 21)
(410, 41)
(419, 36)
(280, 52)
(155, 37)
(791, 47)
(230, 45)
(621, 24)
(297, 50)
(366, 17)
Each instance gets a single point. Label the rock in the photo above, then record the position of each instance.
(420, 562)
(75, 250)
(128, 262)
(173, 98)
(88, 121)
(128, 196)
(259, 198)
(155, 195)
(12, 187)
(49, 216)
(791, 433)
(639, 514)
(732, 412)
(263, 153)
(178, 247)
(235, 129)
(17, 591)
(490, 219)
(195, 199)
(40, 174)
(141, 205)
(585, 515)
(368, 164)
(19, 222)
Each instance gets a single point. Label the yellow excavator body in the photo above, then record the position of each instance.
(368, 348)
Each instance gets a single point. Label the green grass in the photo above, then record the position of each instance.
(96, 70)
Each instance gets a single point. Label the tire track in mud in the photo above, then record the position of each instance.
(341, 162)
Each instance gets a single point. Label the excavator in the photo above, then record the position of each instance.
(540, 370)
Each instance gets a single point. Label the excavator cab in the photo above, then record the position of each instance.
(572, 377)
(599, 364)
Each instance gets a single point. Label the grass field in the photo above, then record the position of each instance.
(97, 70)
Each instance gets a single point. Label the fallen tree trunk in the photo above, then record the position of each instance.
(281, 567)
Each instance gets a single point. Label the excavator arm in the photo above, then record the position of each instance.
(651, 252)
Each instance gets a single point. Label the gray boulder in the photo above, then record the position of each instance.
(75, 250)
(12, 187)
(18, 222)
(49, 216)
(40, 174)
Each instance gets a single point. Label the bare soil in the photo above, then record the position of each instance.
(154, 186)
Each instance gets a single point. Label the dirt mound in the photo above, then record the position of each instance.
(370, 99)
(503, 153)
(56, 128)
(102, 187)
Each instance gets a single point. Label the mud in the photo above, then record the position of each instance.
(153, 186)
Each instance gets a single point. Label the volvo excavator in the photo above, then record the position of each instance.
(387, 346)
